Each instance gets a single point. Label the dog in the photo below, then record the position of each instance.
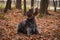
(29, 26)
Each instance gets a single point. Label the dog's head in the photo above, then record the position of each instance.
(31, 13)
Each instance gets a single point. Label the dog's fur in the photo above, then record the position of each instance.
(28, 26)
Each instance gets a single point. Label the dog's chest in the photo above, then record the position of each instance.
(30, 23)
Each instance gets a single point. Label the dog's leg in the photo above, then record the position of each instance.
(36, 30)
(28, 31)
(19, 30)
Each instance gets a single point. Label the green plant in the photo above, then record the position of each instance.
(40, 15)
(2, 6)
(2, 16)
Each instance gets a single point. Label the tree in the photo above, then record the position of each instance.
(8, 5)
(44, 6)
(24, 7)
(59, 3)
(18, 4)
(32, 5)
(55, 5)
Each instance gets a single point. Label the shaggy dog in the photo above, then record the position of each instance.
(29, 26)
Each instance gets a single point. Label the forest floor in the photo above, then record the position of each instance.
(48, 26)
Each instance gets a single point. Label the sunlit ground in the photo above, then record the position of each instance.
(52, 8)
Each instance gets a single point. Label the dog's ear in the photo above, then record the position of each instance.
(29, 13)
(36, 12)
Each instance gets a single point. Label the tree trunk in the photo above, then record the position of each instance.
(59, 3)
(18, 4)
(44, 6)
(8, 5)
(24, 7)
(55, 5)
(32, 5)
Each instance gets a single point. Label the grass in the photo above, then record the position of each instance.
(2, 6)
(58, 10)
(40, 15)
(2, 16)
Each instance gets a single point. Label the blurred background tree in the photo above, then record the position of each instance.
(8, 5)
(55, 5)
(24, 7)
(18, 4)
(44, 6)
